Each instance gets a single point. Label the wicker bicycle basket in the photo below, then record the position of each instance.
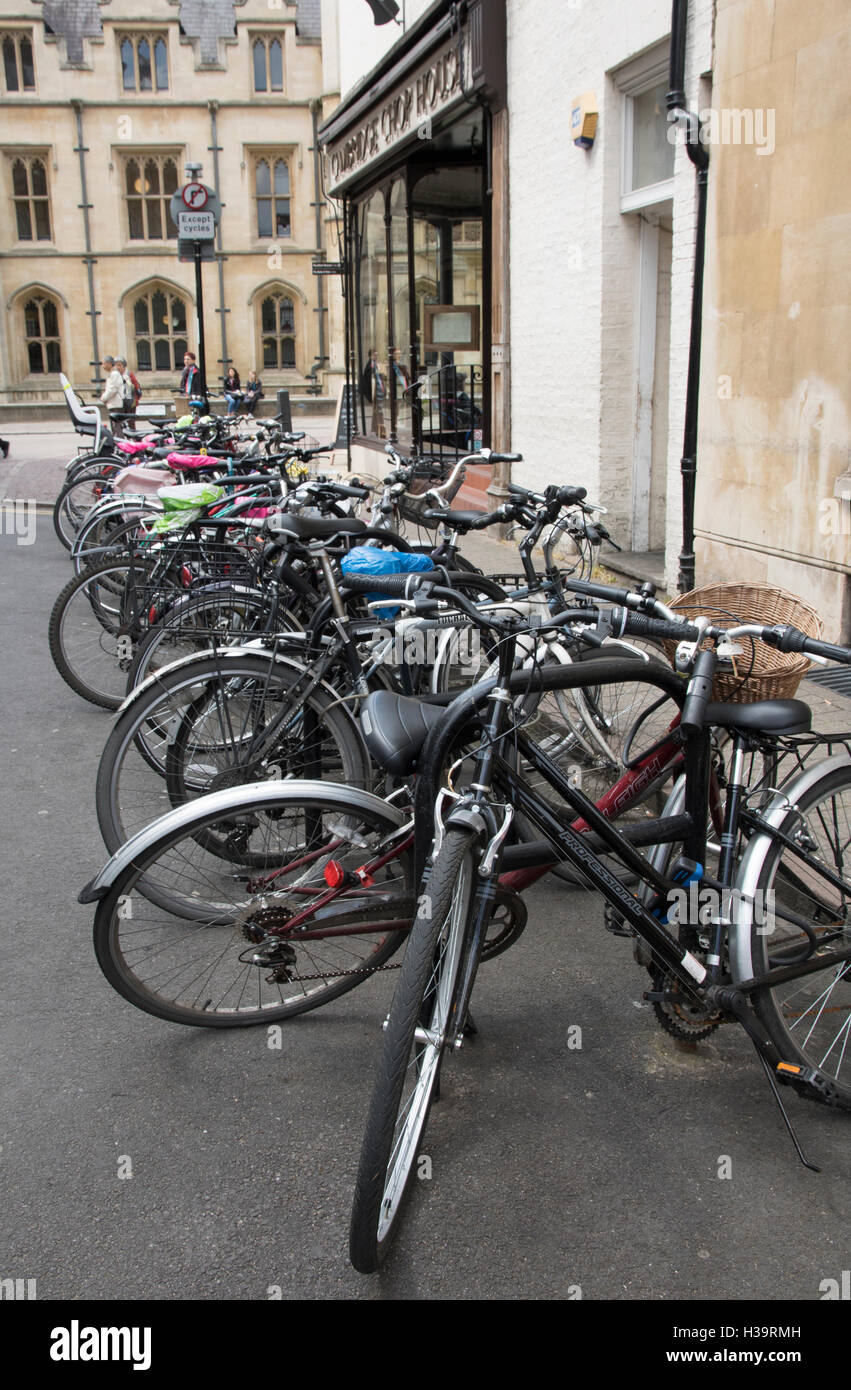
(760, 672)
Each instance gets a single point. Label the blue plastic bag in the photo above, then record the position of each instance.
(368, 559)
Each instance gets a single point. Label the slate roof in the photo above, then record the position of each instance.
(308, 21)
(73, 21)
(208, 21)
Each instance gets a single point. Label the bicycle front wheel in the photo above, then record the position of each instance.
(224, 946)
(422, 1023)
(809, 1018)
(97, 620)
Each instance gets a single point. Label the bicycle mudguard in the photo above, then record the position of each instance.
(236, 799)
(741, 966)
(255, 648)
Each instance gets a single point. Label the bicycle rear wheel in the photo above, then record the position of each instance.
(421, 1025)
(217, 948)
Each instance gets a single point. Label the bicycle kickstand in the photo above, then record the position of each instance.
(732, 1001)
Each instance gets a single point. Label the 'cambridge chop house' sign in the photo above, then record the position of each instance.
(408, 109)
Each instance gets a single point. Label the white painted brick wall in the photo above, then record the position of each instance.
(574, 256)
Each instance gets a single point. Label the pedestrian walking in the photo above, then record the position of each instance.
(131, 390)
(113, 394)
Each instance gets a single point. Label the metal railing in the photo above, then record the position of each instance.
(447, 414)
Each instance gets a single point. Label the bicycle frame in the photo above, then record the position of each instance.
(566, 842)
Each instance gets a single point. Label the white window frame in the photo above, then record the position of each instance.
(632, 80)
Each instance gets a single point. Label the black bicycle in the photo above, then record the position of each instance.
(785, 978)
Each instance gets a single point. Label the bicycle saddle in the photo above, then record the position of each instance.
(763, 716)
(395, 727)
(459, 521)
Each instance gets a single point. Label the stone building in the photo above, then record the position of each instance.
(104, 102)
(774, 470)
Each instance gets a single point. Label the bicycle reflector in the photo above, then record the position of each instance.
(336, 876)
(334, 873)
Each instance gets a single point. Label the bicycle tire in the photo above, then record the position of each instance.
(138, 775)
(80, 494)
(186, 966)
(809, 1019)
(94, 665)
(215, 617)
(423, 1003)
(108, 537)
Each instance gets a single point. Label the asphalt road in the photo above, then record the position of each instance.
(554, 1167)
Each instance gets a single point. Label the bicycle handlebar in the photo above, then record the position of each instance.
(393, 585)
(791, 639)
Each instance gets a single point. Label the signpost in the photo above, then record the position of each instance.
(196, 210)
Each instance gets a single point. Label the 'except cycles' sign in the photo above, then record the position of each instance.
(196, 226)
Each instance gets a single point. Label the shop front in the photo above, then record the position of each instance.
(410, 155)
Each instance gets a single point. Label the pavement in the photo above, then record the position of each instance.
(575, 1146)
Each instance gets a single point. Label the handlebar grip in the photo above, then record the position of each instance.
(503, 458)
(525, 493)
(394, 585)
(603, 591)
(791, 639)
(638, 625)
(829, 650)
(342, 490)
(569, 496)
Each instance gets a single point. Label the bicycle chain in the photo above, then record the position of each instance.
(339, 974)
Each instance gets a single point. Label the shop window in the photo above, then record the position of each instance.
(18, 64)
(149, 182)
(157, 328)
(41, 334)
(440, 213)
(31, 198)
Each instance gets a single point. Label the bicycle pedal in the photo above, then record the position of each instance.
(807, 1082)
(614, 922)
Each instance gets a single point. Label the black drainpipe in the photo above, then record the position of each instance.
(699, 156)
(318, 205)
(88, 259)
(222, 310)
